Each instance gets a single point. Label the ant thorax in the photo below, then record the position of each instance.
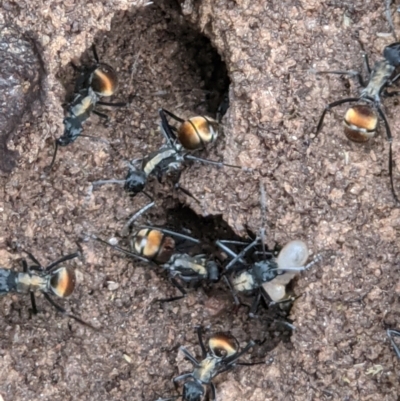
(182, 263)
(207, 369)
(380, 75)
(167, 158)
(83, 103)
(32, 282)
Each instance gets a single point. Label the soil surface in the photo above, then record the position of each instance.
(327, 191)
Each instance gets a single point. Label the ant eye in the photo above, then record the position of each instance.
(62, 282)
(223, 345)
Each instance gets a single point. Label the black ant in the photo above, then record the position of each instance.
(263, 273)
(223, 355)
(95, 81)
(192, 134)
(160, 248)
(52, 280)
(361, 120)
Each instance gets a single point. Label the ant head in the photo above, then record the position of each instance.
(392, 54)
(73, 128)
(104, 80)
(192, 391)
(153, 244)
(223, 345)
(135, 181)
(62, 282)
(293, 254)
(197, 132)
(360, 123)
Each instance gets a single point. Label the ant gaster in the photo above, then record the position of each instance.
(95, 81)
(52, 280)
(361, 120)
(223, 355)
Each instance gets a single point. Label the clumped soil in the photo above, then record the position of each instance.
(333, 194)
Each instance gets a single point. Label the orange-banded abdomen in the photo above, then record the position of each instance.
(104, 80)
(360, 123)
(153, 245)
(62, 282)
(197, 132)
(223, 345)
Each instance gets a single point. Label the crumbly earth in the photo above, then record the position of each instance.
(331, 193)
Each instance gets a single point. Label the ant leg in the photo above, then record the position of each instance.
(242, 253)
(31, 257)
(186, 375)
(213, 392)
(263, 206)
(233, 292)
(120, 104)
(96, 57)
(32, 295)
(330, 106)
(190, 357)
(65, 313)
(389, 18)
(103, 182)
(136, 215)
(366, 63)
(390, 140)
(33, 302)
(351, 73)
(390, 334)
(166, 129)
(221, 244)
(186, 192)
(51, 266)
(232, 359)
(200, 338)
(101, 115)
(179, 287)
(178, 235)
(175, 117)
(255, 304)
(54, 156)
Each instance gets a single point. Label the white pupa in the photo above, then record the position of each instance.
(293, 255)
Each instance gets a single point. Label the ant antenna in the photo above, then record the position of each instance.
(54, 156)
(136, 215)
(219, 164)
(388, 15)
(263, 205)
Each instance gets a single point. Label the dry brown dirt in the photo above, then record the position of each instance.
(331, 193)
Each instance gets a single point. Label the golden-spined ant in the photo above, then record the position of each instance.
(172, 155)
(222, 356)
(265, 274)
(163, 248)
(361, 120)
(50, 281)
(94, 81)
